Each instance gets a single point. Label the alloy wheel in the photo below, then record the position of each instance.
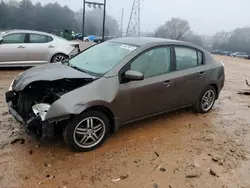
(59, 58)
(89, 132)
(208, 100)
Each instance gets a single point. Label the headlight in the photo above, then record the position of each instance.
(10, 88)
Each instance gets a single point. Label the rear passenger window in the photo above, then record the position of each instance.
(186, 58)
(37, 38)
(49, 39)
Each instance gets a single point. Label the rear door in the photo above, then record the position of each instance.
(13, 49)
(190, 76)
(39, 48)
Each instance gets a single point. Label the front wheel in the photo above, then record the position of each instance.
(87, 131)
(206, 101)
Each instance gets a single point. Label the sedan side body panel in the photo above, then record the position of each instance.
(148, 76)
(76, 101)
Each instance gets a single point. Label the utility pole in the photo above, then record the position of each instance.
(139, 18)
(83, 19)
(104, 19)
(94, 4)
(122, 22)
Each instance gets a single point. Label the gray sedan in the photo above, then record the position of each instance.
(30, 48)
(239, 54)
(111, 84)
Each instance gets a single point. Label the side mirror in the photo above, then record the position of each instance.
(133, 75)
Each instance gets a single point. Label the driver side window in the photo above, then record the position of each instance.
(154, 62)
(17, 38)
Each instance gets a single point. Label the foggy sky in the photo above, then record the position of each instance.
(205, 16)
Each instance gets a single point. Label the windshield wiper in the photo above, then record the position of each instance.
(65, 62)
(77, 68)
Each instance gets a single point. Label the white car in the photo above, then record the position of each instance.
(30, 48)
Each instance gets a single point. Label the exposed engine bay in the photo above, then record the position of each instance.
(33, 102)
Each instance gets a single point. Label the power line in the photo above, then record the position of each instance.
(94, 5)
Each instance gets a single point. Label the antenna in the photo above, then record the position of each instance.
(134, 20)
(122, 22)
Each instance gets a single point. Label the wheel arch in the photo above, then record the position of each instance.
(107, 112)
(215, 86)
(58, 53)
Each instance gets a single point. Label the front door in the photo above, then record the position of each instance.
(154, 93)
(13, 49)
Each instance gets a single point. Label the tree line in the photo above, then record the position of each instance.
(236, 41)
(53, 17)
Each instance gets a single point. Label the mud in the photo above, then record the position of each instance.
(177, 150)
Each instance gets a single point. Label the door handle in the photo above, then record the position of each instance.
(202, 74)
(167, 83)
(50, 46)
(20, 46)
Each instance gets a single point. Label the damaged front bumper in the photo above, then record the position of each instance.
(36, 123)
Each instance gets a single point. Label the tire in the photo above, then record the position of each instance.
(199, 108)
(86, 40)
(78, 133)
(58, 58)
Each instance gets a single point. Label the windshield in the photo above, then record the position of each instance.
(4, 32)
(102, 57)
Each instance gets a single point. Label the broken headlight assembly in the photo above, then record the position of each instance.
(11, 85)
(40, 110)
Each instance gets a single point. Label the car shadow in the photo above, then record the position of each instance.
(14, 68)
(156, 123)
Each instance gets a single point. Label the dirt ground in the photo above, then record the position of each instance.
(178, 150)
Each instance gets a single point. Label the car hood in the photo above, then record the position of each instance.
(48, 72)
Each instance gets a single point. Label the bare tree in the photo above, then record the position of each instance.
(193, 38)
(220, 38)
(237, 40)
(173, 29)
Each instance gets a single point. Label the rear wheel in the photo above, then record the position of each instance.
(206, 100)
(58, 58)
(87, 131)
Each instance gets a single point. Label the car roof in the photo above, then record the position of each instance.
(27, 31)
(142, 41)
(35, 32)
